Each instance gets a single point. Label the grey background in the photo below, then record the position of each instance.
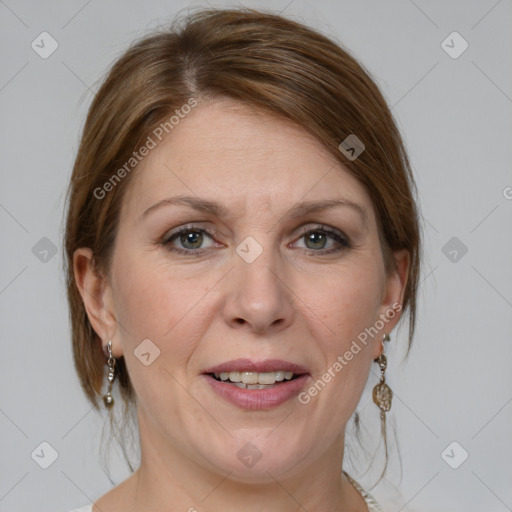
(455, 114)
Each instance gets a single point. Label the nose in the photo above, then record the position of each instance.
(259, 299)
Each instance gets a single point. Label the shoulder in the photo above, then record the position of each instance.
(117, 499)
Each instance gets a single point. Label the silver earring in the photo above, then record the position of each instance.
(382, 393)
(108, 399)
(382, 396)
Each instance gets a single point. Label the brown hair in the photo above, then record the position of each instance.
(263, 60)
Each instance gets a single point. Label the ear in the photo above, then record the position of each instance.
(96, 294)
(391, 306)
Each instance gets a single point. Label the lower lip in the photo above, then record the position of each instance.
(258, 399)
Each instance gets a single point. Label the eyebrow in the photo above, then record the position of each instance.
(299, 210)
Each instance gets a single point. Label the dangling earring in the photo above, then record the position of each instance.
(382, 393)
(108, 399)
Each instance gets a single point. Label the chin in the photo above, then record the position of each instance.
(260, 457)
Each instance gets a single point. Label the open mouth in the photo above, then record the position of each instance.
(255, 380)
(257, 385)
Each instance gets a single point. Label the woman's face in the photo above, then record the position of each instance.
(266, 278)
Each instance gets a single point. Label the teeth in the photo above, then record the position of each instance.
(235, 376)
(251, 380)
(267, 378)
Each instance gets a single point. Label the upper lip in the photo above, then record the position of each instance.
(248, 365)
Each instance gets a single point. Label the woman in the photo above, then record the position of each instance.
(241, 240)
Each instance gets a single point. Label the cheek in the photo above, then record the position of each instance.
(153, 302)
(351, 306)
(350, 302)
(154, 297)
(358, 312)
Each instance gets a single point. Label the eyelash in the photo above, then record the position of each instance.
(343, 241)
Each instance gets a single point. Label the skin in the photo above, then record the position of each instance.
(290, 303)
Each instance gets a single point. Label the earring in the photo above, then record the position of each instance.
(108, 399)
(382, 393)
(382, 396)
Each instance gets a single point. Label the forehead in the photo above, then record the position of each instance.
(234, 153)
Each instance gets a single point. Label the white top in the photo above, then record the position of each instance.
(373, 506)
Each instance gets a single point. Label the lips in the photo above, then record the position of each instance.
(257, 384)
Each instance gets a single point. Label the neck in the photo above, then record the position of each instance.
(168, 479)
